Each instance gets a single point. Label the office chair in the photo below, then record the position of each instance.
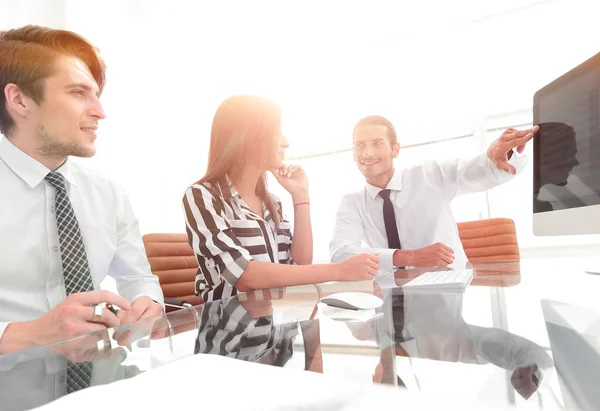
(173, 261)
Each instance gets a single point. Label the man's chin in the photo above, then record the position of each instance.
(83, 151)
(369, 172)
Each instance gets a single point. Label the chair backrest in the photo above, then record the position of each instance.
(494, 239)
(173, 261)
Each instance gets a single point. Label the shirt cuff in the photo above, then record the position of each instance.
(386, 257)
(518, 161)
(3, 327)
(157, 298)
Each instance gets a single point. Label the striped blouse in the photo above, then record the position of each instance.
(226, 235)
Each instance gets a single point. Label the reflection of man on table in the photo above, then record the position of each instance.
(431, 326)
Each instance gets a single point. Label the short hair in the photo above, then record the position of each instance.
(27, 57)
(378, 121)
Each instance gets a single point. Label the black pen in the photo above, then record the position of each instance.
(112, 309)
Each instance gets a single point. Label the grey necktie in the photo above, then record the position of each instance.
(76, 270)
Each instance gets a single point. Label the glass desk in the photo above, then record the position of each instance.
(512, 338)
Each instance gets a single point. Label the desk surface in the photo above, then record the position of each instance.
(489, 344)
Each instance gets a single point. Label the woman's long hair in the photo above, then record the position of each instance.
(245, 133)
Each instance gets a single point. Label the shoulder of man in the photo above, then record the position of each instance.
(353, 198)
(91, 179)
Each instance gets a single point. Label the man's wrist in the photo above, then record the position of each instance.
(402, 258)
(19, 336)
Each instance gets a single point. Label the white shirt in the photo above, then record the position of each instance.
(31, 274)
(421, 197)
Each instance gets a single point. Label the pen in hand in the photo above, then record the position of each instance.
(112, 309)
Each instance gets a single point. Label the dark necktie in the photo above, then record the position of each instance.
(76, 270)
(389, 218)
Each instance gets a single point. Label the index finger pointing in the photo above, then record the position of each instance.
(521, 133)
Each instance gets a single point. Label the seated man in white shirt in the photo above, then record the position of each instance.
(63, 229)
(405, 214)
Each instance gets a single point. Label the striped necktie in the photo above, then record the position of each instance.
(76, 270)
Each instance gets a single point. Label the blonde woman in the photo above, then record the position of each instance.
(237, 228)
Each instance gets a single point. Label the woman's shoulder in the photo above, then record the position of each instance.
(205, 190)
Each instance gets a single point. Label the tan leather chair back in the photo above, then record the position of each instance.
(494, 239)
(173, 261)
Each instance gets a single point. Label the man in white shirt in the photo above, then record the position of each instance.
(405, 214)
(62, 228)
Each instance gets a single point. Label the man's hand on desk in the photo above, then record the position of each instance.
(75, 316)
(141, 309)
(435, 255)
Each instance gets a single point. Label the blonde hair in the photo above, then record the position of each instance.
(245, 131)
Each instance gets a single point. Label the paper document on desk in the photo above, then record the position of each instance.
(210, 380)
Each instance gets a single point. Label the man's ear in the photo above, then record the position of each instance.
(17, 102)
(395, 150)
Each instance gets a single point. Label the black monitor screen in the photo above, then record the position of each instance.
(567, 147)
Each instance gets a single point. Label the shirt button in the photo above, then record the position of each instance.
(62, 379)
(51, 209)
(55, 248)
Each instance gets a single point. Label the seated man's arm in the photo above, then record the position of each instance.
(500, 163)
(130, 267)
(5, 346)
(348, 236)
(457, 177)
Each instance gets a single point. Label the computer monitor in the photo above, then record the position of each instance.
(566, 174)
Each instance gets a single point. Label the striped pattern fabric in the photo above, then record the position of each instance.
(226, 235)
(227, 329)
(493, 239)
(76, 269)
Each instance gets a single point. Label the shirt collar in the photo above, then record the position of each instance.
(27, 168)
(227, 188)
(395, 184)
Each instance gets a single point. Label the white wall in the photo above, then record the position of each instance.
(437, 69)
(19, 13)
